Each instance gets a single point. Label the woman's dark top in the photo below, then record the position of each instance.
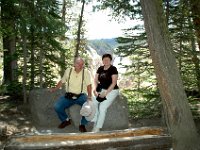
(105, 76)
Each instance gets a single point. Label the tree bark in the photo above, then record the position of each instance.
(32, 83)
(9, 42)
(195, 59)
(32, 48)
(79, 29)
(62, 54)
(196, 63)
(178, 114)
(24, 69)
(195, 7)
(23, 32)
(41, 58)
(1, 51)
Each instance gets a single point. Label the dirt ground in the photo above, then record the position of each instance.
(16, 119)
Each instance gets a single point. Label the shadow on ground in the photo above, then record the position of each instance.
(15, 118)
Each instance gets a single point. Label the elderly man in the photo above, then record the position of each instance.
(78, 83)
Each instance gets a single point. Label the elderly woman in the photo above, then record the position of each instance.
(105, 90)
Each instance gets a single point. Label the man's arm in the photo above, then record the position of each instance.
(89, 91)
(59, 84)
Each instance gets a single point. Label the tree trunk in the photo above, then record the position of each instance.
(41, 68)
(23, 32)
(10, 63)
(195, 59)
(32, 60)
(32, 48)
(178, 114)
(62, 54)
(79, 29)
(9, 42)
(195, 7)
(1, 51)
(196, 62)
(24, 69)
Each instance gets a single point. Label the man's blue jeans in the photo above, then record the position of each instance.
(64, 103)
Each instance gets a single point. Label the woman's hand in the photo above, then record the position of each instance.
(95, 93)
(103, 94)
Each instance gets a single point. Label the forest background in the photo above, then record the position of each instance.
(39, 41)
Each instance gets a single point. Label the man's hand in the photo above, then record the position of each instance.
(52, 90)
(89, 98)
(59, 84)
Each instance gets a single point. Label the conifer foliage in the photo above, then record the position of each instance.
(31, 32)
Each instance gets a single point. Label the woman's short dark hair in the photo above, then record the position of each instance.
(107, 55)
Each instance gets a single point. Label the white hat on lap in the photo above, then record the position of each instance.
(88, 110)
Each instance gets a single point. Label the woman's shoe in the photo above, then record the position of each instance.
(95, 130)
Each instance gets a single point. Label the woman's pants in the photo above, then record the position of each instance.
(101, 108)
(64, 103)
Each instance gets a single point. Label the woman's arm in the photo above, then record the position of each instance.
(96, 81)
(111, 87)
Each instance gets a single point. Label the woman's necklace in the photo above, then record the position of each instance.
(106, 67)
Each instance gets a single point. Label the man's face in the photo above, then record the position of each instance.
(78, 64)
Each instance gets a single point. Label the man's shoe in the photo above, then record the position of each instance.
(82, 128)
(64, 124)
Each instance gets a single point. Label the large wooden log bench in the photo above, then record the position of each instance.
(44, 117)
(135, 139)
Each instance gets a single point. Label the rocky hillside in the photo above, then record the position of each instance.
(103, 46)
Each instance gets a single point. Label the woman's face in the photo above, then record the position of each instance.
(106, 61)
